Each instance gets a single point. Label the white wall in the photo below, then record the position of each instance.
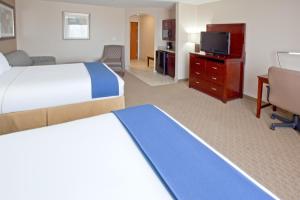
(186, 22)
(172, 12)
(39, 30)
(159, 14)
(272, 25)
(147, 33)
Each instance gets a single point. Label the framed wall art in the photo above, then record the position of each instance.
(76, 26)
(7, 21)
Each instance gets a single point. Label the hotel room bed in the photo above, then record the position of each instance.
(136, 153)
(57, 93)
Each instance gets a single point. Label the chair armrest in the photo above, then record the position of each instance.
(123, 58)
(43, 60)
(103, 59)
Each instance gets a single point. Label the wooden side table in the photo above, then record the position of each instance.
(263, 79)
(148, 60)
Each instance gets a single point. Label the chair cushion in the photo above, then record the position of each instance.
(43, 60)
(19, 58)
(112, 61)
(4, 65)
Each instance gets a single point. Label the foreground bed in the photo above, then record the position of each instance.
(137, 153)
(38, 96)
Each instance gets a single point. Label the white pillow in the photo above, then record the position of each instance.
(4, 65)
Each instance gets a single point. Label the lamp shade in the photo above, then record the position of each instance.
(194, 38)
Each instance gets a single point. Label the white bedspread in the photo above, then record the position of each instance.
(92, 159)
(28, 88)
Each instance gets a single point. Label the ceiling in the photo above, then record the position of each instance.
(136, 3)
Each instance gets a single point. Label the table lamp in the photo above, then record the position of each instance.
(195, 38)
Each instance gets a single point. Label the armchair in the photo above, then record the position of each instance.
(21, 58)
(43, 60)
(114, 57)
(284, 93)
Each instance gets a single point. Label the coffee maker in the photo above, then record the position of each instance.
(169, 45)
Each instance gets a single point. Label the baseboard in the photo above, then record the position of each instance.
(249, 97)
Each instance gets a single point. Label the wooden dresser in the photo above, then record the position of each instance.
(220, 76)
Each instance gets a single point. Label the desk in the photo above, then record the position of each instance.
(261, 81)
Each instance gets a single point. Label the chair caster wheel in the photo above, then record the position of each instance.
(273, 116)
(272, 127)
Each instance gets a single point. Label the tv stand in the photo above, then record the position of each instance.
(220, 76)
(211, 54)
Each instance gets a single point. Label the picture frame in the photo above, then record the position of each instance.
(76, 26)
(7, 21)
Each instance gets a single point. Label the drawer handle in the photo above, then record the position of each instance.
(215, 68)
(213, 78)
(197, 63)
(198, 73)
(198, 82)
(214, 89)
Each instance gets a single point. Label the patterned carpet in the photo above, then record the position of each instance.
(270, 157)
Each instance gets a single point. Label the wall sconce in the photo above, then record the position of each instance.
(195, 38)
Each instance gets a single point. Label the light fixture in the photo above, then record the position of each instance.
(294, 53)
(286, 52)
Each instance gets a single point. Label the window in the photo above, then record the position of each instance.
(76, 26)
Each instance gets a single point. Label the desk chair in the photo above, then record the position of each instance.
(113, 56)
(284, 93)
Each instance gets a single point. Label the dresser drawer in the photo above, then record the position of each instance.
(215, 89)
(197, 83)
(197, 64)
(215, 68)
(215, 78)
(197, 74)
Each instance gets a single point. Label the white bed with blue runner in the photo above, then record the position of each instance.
(132, 154)
(30, 88)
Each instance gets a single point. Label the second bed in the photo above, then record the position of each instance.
(37, 96)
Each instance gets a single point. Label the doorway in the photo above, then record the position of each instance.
(142, 36)
(134, 39)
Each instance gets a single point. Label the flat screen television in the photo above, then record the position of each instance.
(215, 42)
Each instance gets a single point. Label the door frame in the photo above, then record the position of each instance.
(138, 39)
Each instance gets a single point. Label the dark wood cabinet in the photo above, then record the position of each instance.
(220, 76)
(169, 29)
(165, 62)
(171, 64)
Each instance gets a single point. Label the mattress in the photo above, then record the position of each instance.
(93, 158)
(29, 88)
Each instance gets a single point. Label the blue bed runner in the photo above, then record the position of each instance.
(188, 168)
(104, 82)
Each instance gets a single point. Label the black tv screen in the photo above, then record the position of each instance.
(215, 42)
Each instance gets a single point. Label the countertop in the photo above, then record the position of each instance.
(167, 50)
